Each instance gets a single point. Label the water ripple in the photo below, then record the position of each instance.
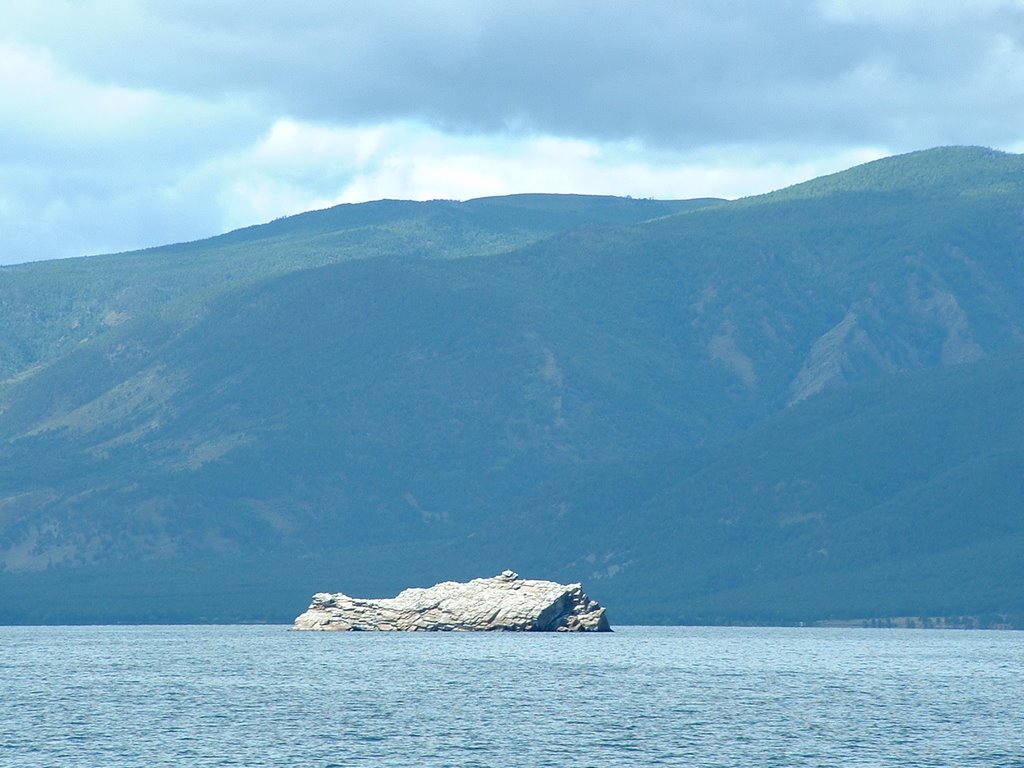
(246, 696)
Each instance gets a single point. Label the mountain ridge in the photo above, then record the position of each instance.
(592, 393)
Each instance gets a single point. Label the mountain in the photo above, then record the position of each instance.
(795, 407)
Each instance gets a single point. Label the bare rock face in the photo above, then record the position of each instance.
(505, 602)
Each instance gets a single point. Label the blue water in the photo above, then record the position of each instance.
(254, 696)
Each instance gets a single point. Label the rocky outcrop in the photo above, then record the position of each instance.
(505, 602)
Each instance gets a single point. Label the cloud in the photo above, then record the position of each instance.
(298, 166)
(669, 73)
(53, 115)
(87, 166)
(129, 122)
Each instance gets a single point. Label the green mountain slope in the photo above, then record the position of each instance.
(787, 408)
(891, 498)
(48, 308)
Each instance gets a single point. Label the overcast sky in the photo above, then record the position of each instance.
(127, 123)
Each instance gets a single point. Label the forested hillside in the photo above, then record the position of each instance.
(795, 407)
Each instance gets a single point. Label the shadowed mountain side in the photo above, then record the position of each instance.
(374, 400)
(780, 409)
(862, 503)
(882, 499)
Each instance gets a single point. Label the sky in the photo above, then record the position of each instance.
(132, 123)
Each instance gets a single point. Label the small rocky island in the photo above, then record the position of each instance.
(505, 602)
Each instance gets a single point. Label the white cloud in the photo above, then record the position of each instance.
(47, 109)
(126, 123)
(299, 166)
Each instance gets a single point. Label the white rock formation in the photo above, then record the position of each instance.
(505, 602)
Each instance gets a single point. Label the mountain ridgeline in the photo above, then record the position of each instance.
(803, 406)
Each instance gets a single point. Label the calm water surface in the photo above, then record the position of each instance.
(254, 696)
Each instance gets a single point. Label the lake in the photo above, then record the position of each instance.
(642, 696)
